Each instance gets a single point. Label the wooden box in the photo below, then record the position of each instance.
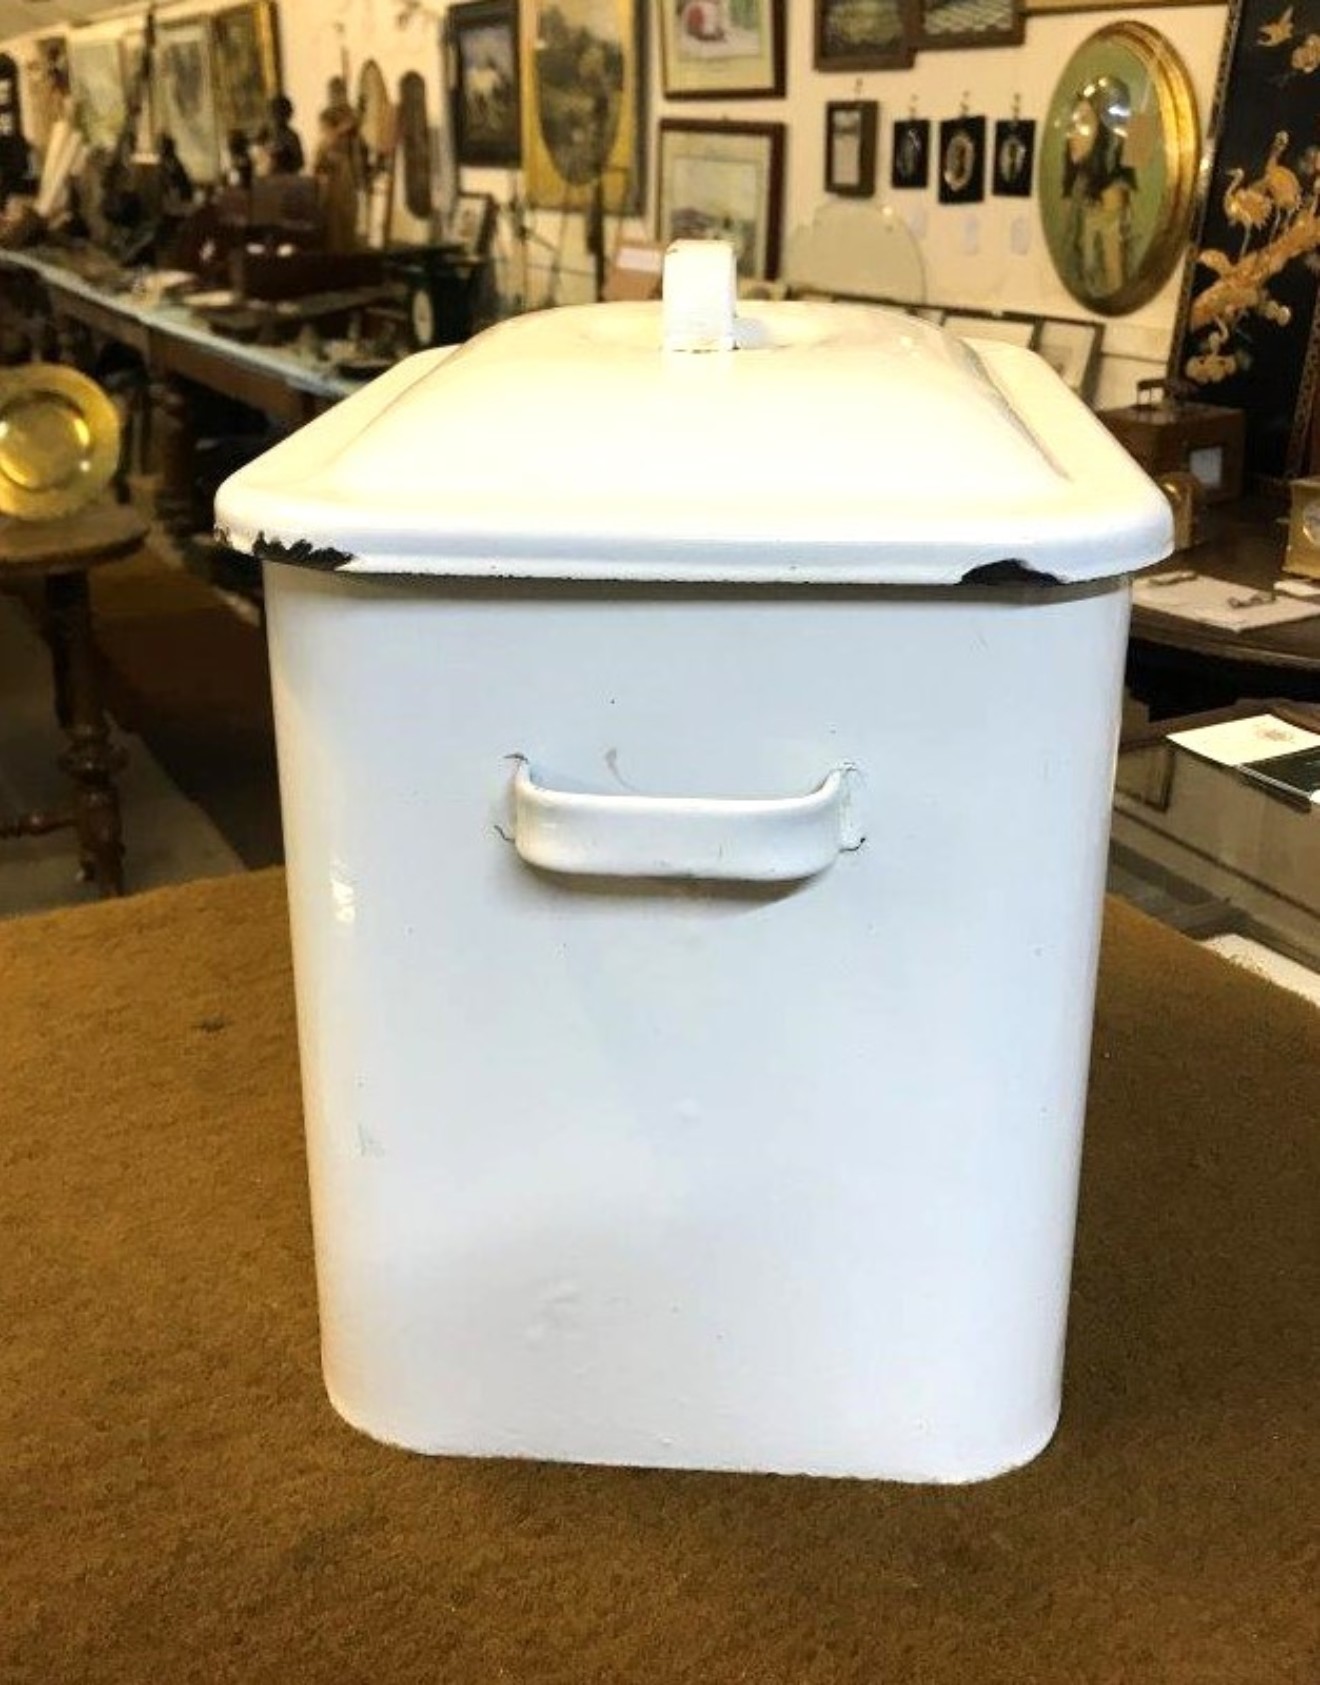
(635, 272)
(1167, 433)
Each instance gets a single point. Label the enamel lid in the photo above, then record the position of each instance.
(791, 443)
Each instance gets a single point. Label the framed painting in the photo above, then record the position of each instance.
(865, 34)
(483, 81)
(185, 96)
(850, 136)
(1007, 330)
(1012, 158)
(15, 154)
(96, 77)
(721, 49)
(1032, 7)
(137, 86)
(583, 81)
(962, 160)
(723, 181)
(47, 85)
(1248, 330)
(1118, 160)
(910, 165)
(1072, 349)
(472, 223)
(246, 59)
(970, 23)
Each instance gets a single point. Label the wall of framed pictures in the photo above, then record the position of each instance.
(877, 63)
(216, 67)
(833, 78)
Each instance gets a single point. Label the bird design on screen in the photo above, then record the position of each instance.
(1249, 304)
(1266, 222)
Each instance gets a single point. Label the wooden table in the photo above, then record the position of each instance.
(57, 556)
(1177, 666)
(174, 341)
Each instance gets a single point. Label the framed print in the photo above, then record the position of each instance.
(96, 76)
(1010, 330)
(910, 166)
(723, 181)
(185, 96)
(245, 55)
(865, 34)
(962, 161)
(15, 154)
(137, 84)
(1248, 328)
(1118, 164)
(1072, 349)
(1032, 7)
(472, 223)
(47, 84)
(583, 79)
(1012, 159)
(970, 23)
(721, 49)
(483, 81)
(850, 130)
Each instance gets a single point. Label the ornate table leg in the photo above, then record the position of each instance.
(71, 346)
(175, 452)
(91, 760)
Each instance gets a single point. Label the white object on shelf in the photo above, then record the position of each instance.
(859, 249)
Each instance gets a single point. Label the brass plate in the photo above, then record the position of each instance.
(59, 441)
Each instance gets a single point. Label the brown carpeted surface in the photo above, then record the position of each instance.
(179, 1503)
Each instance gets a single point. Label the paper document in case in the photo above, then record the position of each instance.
(1218, 602)
(1240, 742)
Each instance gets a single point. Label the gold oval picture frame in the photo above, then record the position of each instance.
(1118, 167)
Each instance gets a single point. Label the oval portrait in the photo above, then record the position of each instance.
(959, 162)
(1118, 167)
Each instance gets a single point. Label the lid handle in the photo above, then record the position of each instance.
(700, 296)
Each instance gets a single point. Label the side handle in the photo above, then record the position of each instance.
(780, 840)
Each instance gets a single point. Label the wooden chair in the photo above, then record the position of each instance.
(58, 557)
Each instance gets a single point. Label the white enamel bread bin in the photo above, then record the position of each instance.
(695, 748)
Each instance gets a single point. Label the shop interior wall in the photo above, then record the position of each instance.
(990, 255)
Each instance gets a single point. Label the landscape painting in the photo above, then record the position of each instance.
(581, 64)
